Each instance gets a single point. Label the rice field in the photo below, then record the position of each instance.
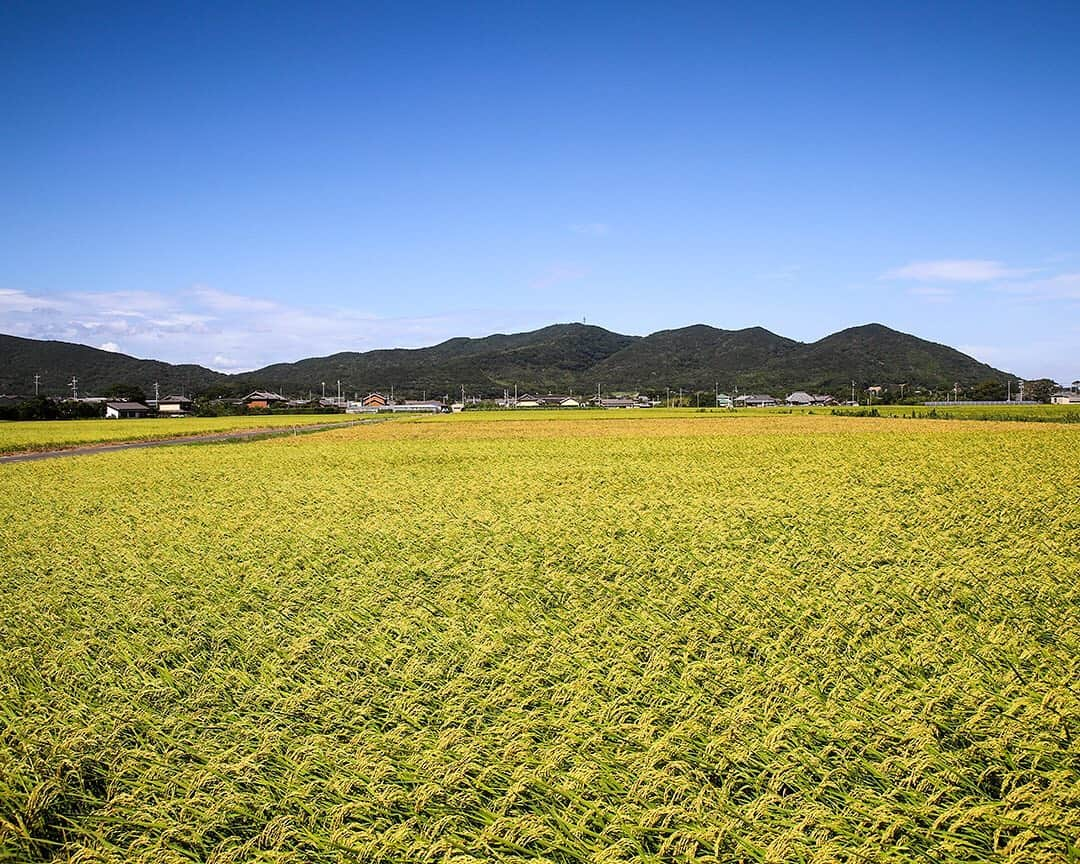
(605, 638)
(961, 411)
(18, 436)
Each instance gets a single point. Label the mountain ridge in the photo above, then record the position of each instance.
(558, 357)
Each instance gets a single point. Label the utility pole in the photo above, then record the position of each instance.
(323, 389)
(853, 391)
(339, 391)
(74, 387)
(1021, 385)
(37, 380)
(157, 393)
(716, 387)
(667, 396)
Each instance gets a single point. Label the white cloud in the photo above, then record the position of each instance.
(591, 229)
(956, 270)
(931, 293)
(1064, 286)
(232, 332)
(20, 301)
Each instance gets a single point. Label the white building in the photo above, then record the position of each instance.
(174, 405)
(1065, 397)
(125, 410)
(755, 400)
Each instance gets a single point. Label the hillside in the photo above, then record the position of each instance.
(555, 358)
(692, 357)
(876, 353)
(21, 359)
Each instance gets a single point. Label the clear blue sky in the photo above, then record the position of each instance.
(238, 184)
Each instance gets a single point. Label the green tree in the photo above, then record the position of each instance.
(1039, 390)
(125, 392)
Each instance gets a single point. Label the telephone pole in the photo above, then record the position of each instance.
(37, 380)
(74, 387)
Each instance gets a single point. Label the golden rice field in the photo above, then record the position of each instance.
(644, 638)
(58, 434)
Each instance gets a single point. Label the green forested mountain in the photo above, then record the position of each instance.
(556, 358)
(56, 363)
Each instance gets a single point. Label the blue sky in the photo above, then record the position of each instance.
(263, 182)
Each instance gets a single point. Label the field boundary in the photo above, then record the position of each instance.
(231, 436)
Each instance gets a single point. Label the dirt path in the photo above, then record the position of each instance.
(232, 435)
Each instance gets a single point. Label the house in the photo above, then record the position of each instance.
(374, 400)
(174, 405)
(417, 406)
(801, 398)
(618, 402)
(1065, 397)
(554, 400)
(723, 400)
(527, 400)
(263, 399)
(125, 410)
(755, 400)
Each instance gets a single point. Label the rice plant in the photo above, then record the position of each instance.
(653, 639)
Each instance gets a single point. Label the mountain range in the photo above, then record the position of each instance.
(557, 358)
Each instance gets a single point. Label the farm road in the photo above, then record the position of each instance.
(236, 435)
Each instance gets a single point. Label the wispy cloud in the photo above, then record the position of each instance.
(591, 229)
(229, 332)
(932, 293)
(956, 270)
(1064, 286)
